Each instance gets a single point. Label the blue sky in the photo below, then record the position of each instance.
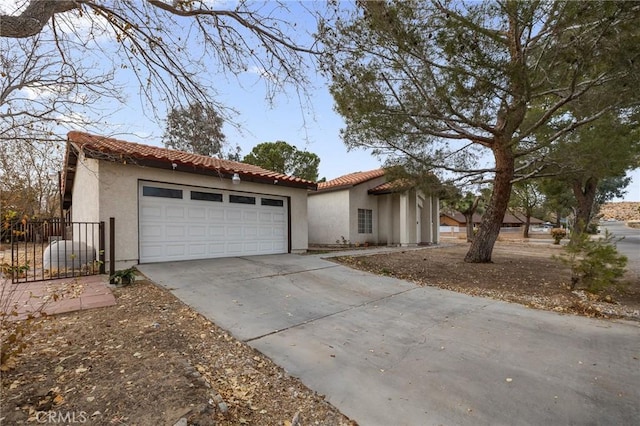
(315, 129)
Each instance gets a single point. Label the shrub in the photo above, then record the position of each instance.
(123, 277)
(558, 234)
(595, 264)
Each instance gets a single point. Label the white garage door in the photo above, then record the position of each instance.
(182, 223)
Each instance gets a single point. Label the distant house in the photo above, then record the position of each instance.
(363, 207)
(455, 218)
(515, 220)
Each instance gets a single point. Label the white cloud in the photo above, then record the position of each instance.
(264, 74)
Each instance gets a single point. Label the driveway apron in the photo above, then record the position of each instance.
(385, 351)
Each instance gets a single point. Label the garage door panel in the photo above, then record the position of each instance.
(176, 249)
(250, 232)
(151, 212)
(198, 231)
(198, 250)
(216, 249)
(154, 251)
(265, 232)
(233, 215)
(174, 228)
(175, 232)
(197, 213)
(172, 212)
(234, 231)
(216, 215)
(235, 248)
(251, 248)
(216, 231)
(250, 216)
(152, 232)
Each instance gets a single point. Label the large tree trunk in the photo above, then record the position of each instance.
(482, 245)
(585, 196)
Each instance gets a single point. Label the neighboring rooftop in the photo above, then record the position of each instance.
(509, 219)
(350, 180)
(398, 185)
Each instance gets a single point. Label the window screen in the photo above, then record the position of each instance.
(365, 221)
(241, 199)
(206, 196)
(153, 191)
(271, 202)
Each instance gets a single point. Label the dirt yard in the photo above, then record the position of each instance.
(522, 273)
(151, 360)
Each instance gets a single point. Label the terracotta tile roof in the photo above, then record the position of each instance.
(114, 149)
(350, 180)
(397, 185)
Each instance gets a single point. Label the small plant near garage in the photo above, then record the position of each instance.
(343, 241)
(595, 263)
(123, 277)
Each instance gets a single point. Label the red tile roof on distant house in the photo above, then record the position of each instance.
(459, 217)
(111, 149)
(398, 185)
(518, 218)
(352, 179)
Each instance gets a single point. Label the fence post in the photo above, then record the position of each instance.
(101, 246)
(112, 246)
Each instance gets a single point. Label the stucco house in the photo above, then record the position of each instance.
(171, 205)
(363, 207)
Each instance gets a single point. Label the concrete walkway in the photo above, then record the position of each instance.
(386, 352)
(56, 296)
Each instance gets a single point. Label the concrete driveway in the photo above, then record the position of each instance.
(386, 352)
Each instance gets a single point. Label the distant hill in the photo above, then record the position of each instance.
(620, 211)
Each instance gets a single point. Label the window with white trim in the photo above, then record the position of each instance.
(365, 221)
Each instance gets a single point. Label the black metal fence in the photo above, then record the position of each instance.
(50, 249)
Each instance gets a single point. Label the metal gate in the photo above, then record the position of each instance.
(51, 249)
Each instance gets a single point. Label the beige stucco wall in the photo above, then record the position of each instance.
(118, 197)
(85, 195)
(359, 198)
(328, 214)
(85, 205)
(395, 218)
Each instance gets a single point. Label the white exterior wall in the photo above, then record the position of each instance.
(85, 204)
(118, 197)
(385, 219)
(328, 214)
(395, 218)
(359, 198)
